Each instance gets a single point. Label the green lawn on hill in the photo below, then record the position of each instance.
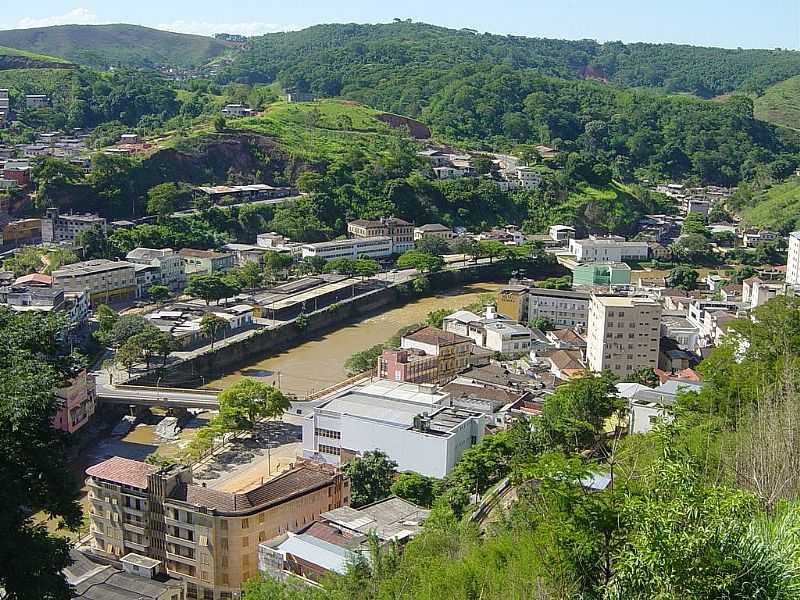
(777, 207)
(314, 130)
(5, 51)
(780, 104)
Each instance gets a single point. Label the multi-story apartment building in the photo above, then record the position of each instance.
(76, 402)
(5, 107)
(793, 264)
(623, 334)
(452, 350)
(105, 280)
(563, 308)
(206, 262)
(208, 538)
(401, 232)
(65, 228)
(171, 270)
(372, 247)
(21, 232)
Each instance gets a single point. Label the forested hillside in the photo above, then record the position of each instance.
(417, 59)
(116, 45)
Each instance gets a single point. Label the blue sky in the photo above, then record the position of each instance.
(729, 23)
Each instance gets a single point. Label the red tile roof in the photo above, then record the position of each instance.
(36, 278)
(123, 471)
(435, 336)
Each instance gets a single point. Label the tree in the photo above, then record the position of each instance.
(208, 287)
(106, 318)
(165, 198)
(366, 267)
(158, 293)
(543, 324)
(94, 243)
(491, 249)
(695, 223)
(371, 476)
(683, 277)
(692, 247)
(343, 266)
(421, 261)
(219, 124)
(249, 276)
(466, 245)
(211, 325)
(151, 342)
(574, 416)
(433, 245)
(277, 263)
(128, 355)
(416, 488)
(124, 328)
(245, 402)
(645, 376)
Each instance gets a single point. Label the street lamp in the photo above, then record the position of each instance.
(158, 381)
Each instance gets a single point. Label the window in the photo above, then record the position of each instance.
(245, 523)
(261, 517)
(245, 541)
(330, 450)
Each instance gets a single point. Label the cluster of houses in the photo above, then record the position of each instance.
(30, 102)
(506, 171)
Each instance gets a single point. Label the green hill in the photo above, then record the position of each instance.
(780, 104)
(777, 207)
(353, 59)
(116, 45)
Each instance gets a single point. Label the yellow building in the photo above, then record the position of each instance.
(512, 302)
(208, 538)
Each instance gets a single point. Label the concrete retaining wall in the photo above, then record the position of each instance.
(224, 359)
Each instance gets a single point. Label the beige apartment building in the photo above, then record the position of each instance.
(207, 537)
(623, 334)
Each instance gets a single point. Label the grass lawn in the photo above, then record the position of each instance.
(5, 51)
(780, 104)
(777, 207)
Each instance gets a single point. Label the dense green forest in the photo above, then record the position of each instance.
(373, 62)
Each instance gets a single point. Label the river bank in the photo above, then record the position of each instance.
(319, 362)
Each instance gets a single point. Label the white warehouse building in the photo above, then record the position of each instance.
(413, 424)
(596, 249)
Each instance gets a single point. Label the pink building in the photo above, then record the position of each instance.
(77, 402)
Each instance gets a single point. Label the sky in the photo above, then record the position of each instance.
(727, 23)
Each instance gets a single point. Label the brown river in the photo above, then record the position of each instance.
(319, 363)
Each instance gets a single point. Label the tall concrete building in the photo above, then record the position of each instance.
(793, 265)
(401, 232)
(208, 538)
(623, 334)
(57, 227)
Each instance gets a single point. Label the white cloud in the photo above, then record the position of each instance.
(207, 28)
(77, 16)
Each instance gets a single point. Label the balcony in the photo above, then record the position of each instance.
(181, 559)
(136, 546)
(134, 527)
(181, 541)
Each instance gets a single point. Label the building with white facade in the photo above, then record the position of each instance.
(170, 266)
(623, 334)
(401, 232)
(57, 227)
(563, 308)
(561, 233)
(413, 424)
(372, 247)
(598, 249)
(793, 264)
(433, 230)
(490, 331)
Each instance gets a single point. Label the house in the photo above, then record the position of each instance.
(678, 328)
(32, 298)
(168, 263)
(219, 194)
(452, 350)
(756, 291)
(566, 339)
(296, 96)
(183, 321)
(409, 366)
(413, 424)
(236, 110)
(36, 101)
(23, 232)
(204, 536)
(561, 233)
(566, 364)
(658, 251)
(671, 357)
(433, 230)
(246, 253)
(753, 237)
(793, 263)
(76, 402)
(205, 262)
(647, 405)
(491, 332)
(340, 536)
